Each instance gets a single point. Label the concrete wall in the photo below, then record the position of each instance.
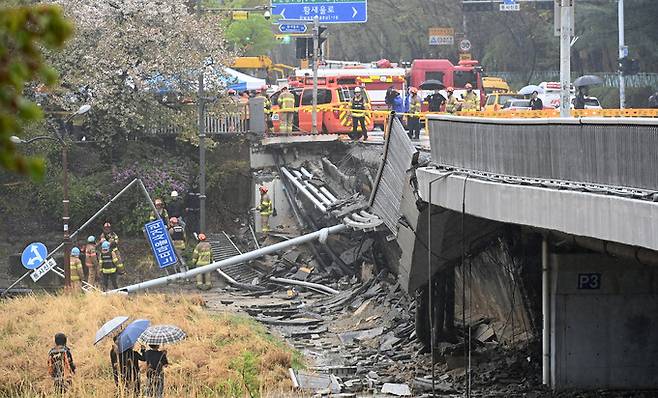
(604, 323)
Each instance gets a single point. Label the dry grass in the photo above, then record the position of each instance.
(225, 355)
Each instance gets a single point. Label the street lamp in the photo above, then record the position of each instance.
(65, 185)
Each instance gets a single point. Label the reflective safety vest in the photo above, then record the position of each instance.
(266, 101)
(415, 105)
(471, 102)
(265, 206)
(108, 263)
(452, 105)
(90, 255)
(178, 236)
(358, 107)
(76, 269)
(202, 254)
(286, 100)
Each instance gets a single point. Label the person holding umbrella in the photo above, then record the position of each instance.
(435, 101)
(125, 360)
(156, 360)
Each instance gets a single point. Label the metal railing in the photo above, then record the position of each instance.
(226, 123)
(618, 152)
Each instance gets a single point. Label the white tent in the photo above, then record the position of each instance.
(240, 81)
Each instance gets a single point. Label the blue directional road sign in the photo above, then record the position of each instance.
(327, 11)
(33, 255)
(292, 28)
(163, 249)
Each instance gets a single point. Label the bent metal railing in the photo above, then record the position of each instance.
(608, 151)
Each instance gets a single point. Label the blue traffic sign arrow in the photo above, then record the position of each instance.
(327, 11)
(509, 1)
(292, 28)
(33, 255)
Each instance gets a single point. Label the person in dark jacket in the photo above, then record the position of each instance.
(156, 360)
(125, 369)
(60, 364)
(579, 102)
(176, 208)
(536, 103)
(653, 100)
(435, 101)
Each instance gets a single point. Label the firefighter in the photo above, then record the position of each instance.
(179, 238)
(453, 104)
(91, 260)
(413, 121)
(286, 114)
(471, 99)
(202, 256)
(161, 212)
(109, 264)
(77, 274)
(110, 236)
(358, 108)
(265, 209)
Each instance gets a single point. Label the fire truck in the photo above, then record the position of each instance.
(334, 115)
(455, 76)
(376, 81)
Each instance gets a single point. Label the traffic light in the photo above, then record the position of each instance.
(304, 47)
(478, 5)
(629, 66)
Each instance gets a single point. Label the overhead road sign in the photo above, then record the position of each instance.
(442, 36)
(163, 249)
(292, 28)
(34, 255)
(327, 11)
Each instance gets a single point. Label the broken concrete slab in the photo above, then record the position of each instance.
(400, 390)
(484, 333)
(360, 335)
(314, 382)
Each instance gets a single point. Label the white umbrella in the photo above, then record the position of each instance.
(109, 327)
(527, 90)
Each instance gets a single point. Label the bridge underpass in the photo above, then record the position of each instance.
(578, 196)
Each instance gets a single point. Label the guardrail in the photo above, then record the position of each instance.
(554, 113)
(608, 151)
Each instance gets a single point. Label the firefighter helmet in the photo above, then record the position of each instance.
(173, 220)
(202, 237)
(75, 252)
(91, 239)
(105, 246)
(263, 189)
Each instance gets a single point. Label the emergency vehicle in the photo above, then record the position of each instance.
(335, 93)
(376, 81)
(455, 76)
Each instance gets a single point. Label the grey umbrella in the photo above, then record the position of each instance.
(162, 334)
(587, 80)
(109, 327)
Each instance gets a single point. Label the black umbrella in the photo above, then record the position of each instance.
(587, 80)
(432, 85)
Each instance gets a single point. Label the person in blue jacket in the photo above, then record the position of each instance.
(398, 105)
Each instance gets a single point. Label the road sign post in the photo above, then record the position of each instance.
(316, 50)
(327, 11)
(163, 249)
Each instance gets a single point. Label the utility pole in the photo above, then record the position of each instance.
(316, 50)
(566, 13)
(65, 214)
(202, 154)
(623, 53)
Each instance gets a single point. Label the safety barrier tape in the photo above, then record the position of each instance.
(526, 114)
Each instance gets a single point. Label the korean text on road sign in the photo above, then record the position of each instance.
(327, 11)
(43, 270)
(163, 249)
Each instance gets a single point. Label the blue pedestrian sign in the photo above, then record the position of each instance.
(163, 249)
(34, 255)
(292, 28)
(327, 11)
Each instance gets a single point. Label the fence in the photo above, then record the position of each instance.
(225, 123)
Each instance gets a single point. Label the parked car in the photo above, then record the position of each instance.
(517, 105)
(495, 101)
